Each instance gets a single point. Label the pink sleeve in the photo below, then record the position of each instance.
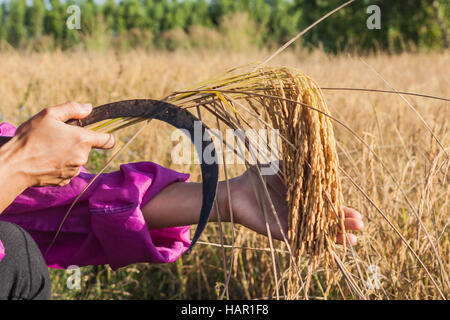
(2, 251)
(106, 226)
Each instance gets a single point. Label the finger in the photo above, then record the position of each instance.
(352, 213)
(69, 110)
(64, 182)
(353, 224)
(75, 171)
(350, 239)
(70, 172)
(100, 140)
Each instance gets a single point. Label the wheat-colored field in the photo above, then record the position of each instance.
(381, 263)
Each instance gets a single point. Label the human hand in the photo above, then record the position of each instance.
(47, 151)
(247, 212)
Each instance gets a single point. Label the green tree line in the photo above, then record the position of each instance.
(404, 24)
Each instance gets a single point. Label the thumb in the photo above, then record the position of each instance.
(101, 140)
(69, 110)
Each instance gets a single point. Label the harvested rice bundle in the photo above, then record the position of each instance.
(310, 171)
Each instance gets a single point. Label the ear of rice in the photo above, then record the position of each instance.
(311, 172)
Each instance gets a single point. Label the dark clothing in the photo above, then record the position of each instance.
(23, 272)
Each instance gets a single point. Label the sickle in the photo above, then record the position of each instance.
(177, 117)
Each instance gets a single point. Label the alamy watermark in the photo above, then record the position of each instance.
(74, 279)
(374, 20)
(74, 19)
(231, 147)
(374, 280)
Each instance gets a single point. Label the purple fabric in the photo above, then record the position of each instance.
(106, 226)
(2, 251)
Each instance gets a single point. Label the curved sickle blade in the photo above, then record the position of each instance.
(179, 118)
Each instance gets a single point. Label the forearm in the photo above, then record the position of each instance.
(12, 181)
(179, 204)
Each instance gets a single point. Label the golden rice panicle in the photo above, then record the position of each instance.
(310, 168)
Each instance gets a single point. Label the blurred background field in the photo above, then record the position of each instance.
(125, 52)
(231, 24)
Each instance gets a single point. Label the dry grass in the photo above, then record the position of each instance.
(410, 188)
